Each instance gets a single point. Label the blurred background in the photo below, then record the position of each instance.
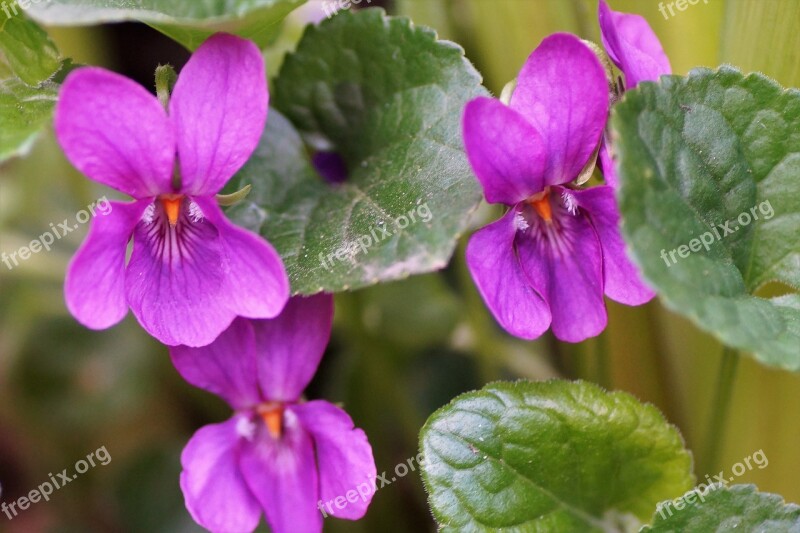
(399, 351)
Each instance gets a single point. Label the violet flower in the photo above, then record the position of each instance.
(634, 48)
(632, 45)
(191, 270)
(552, 256)
(295, 462)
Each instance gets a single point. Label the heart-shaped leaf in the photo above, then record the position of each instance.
(29, 62)
(387, 97)
(721, 509)
(710, 199)
(189, 22)
(550, 456)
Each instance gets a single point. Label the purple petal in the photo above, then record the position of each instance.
(115, 132)
(256, 285)
(216, 494)
(633, 46)
(607, 165)
(344, 456)
(622, 280)
(567, 270)
(501, 281)
(95, 283)
(226, 367)
(282, 474)
(176, 278)
(219, 108)
(330, 166)
(507, 154)
(563, 92)
(291, 346)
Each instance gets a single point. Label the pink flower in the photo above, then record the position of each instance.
(191, 271)
(278, 456)
(558, 250)
(635, 49)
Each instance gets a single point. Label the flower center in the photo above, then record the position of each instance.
(172, 206)
(541, 204)
(272, 415)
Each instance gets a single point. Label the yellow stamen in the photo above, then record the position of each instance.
(172, 207)
(272, 415)
(541, 204)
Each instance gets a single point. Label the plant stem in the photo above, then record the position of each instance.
(720, 408)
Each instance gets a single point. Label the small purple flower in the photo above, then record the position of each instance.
(635, 49)
(558, 249)
(191, 271)
(632, 45)
(295, 462)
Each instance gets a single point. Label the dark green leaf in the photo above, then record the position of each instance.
(189, 22)
(726, 509)
(695, 154)
(388, 97)
(550, 456)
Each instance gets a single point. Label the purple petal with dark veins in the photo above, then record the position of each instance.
(501, 281)
(563, 260)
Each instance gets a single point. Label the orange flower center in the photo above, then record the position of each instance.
(541, 204)
(272, 415)
(172, 207)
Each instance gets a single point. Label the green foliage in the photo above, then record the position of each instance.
(396, 124)
(724, 509)
(550, 456)
(29, 61)
(28, 51)
(698, 153)
(189, 22)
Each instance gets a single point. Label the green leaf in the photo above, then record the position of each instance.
(27, 50)
(29, 64)
(722, 509)
(189, 22)
(550, 456)
(388, 97)
(24, 111)
(695, 154)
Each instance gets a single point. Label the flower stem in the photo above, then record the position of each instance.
(720, 408)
